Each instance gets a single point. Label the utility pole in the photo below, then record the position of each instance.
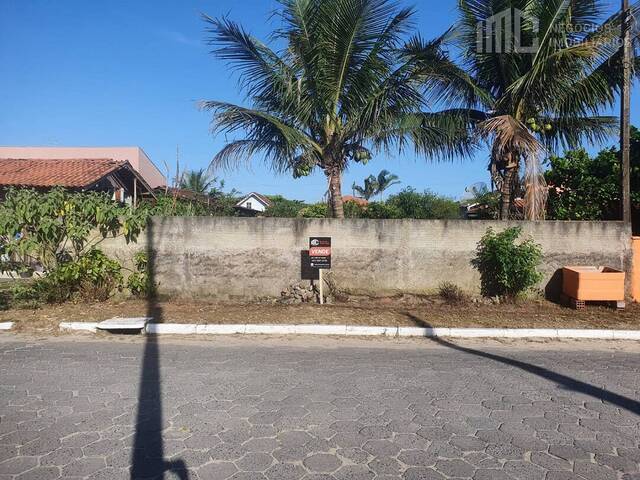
(625, 106)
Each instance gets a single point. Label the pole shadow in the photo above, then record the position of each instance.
(565, 381)
(148, 448)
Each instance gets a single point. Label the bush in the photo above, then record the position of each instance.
(168, 205)
(353, 210)
(427, 205)
(92, 277)
(507, 268)
(380, 210)
(283, 208)
(317, 210)
(452, 294)
(139, 282)
(55, 227)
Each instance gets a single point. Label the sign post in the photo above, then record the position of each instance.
(320, 258)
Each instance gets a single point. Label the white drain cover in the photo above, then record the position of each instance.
(124, 323)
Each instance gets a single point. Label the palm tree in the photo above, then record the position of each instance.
(526, 103)
(369, 189)
(198, 181)
(345, 86)
(385, 180)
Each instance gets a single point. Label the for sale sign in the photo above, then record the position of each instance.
(320, 252)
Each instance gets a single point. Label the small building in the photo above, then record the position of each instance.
(253, 204)
(136, 157)
(117, 178)
(362, 202)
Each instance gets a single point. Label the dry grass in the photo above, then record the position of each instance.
(391, 311)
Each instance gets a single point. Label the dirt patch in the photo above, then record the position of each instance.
(393, 311)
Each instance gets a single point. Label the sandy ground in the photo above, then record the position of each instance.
(393, 311)
(333, 342)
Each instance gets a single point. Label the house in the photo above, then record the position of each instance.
(136, 157)
(253, 204)
(362, 202)
(118, 178)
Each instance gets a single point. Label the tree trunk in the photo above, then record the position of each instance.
(335, 195)
(506, 192)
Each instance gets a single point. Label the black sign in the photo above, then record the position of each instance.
(320, 252)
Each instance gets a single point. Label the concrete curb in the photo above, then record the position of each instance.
(6, 325)
(80, 326)
(354, 330)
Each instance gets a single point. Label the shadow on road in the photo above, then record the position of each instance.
(148, 449)
(565, 381)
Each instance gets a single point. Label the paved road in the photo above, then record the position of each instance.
(317, 409)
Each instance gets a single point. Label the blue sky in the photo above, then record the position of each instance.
(119, 73)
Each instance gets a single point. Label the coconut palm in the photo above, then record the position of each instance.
(376, 185)
(369, 189)
(528, 102)
(345, 86)
(198, 181)
(385, 180)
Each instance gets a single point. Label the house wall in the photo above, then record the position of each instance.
(256, 204)
(244, 258)
(135, 155)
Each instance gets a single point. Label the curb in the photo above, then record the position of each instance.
(353, 330)
(80, 326)
(6, 325)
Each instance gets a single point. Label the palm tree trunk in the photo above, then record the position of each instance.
(506, 192)
(335, 195)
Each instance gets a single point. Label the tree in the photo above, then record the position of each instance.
(56, 227)
(427, 205)
(347, 84)
(283, 207)
(386, 180)
(198, 181)
(485, 201)
(585, 188)
(369, 189)
(376, 185)
(528, 101)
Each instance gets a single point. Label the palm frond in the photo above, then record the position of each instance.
(280, 142)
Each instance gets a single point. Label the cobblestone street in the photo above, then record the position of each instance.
(317, 409)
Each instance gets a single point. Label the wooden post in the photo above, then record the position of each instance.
(135, 192)
(625, 107)
(321, 286)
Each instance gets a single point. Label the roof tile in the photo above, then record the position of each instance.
(70, 173)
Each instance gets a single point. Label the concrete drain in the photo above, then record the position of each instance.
(124, 325)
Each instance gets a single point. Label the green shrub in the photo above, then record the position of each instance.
(353, 210)
(55, 227)
(317, 210)
(507, 268)
(427, 205)
(452, 294)
(283, 208)
(92, 277)
(381, 210)
(139, 283)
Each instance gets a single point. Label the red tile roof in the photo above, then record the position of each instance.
(360, 201)
(71, 173)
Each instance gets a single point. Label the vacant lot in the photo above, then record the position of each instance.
(392, 311)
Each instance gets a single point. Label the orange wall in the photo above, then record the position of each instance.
(635, 273)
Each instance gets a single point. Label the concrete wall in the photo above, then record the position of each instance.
(232, 258)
